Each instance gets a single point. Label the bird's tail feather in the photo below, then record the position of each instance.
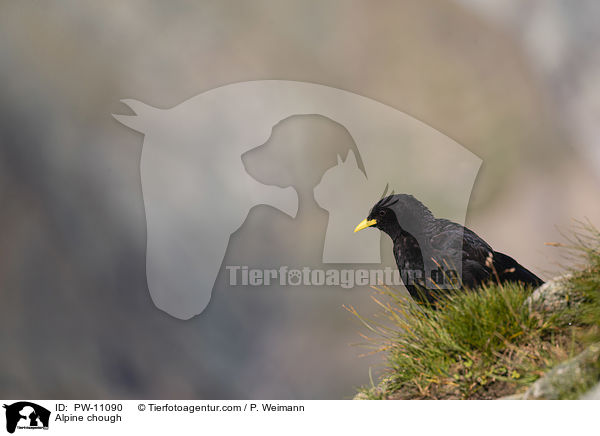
(509, 269)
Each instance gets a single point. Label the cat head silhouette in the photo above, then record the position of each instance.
(343, 185)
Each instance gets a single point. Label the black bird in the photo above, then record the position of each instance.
(432, 253)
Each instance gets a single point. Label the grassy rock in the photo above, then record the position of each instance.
(502, 341)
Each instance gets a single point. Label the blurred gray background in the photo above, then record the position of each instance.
(516, 83)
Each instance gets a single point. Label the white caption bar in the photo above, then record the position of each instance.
(297, 417)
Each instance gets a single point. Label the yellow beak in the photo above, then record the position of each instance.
(364, 224)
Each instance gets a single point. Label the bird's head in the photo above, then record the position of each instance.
(395, 214)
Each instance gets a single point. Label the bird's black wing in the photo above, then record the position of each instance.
(480, 262)
(451, 243)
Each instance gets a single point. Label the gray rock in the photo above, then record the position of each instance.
(592, 394)
(553, 296)
(512, 397)
(569, 379)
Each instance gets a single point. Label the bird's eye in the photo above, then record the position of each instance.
(382, 212)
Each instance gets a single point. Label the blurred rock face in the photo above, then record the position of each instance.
(76, 306)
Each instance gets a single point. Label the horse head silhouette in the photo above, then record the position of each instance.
(196, 194)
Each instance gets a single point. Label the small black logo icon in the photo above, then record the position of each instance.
(26, 415)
